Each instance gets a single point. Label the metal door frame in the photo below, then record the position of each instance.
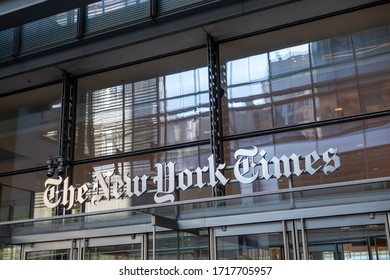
(77, 247)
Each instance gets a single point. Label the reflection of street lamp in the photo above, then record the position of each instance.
(53, 163)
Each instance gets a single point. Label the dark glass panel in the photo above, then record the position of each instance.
(29, 128)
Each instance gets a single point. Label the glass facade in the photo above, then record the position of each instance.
(29, 117)
(322, 80)
(266, 246)
(28, 137)
(177, 245)
(48, 32)
(156, 111)
(348, 243)
(106, 14)
(301, 171)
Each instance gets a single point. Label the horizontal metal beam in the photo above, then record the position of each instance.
(164, 222)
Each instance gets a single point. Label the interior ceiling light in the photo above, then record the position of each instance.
(338, 109)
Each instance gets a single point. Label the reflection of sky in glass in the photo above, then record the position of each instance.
(246, 70)
(186, 82)
(180, 103)
(191, 90)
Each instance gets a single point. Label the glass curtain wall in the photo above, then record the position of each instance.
(105, 14)
(262, 246)
(28, 137)
(322, 80)
(318, 81)
(348, 243)
(176, 245)
(144, 111)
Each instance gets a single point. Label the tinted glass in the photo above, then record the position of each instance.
(29, 124)
(321, 80)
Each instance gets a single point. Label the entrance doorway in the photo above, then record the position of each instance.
(348, 243)
(337, 238)
(129, 247)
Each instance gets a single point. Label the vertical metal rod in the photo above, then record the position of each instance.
(23, 252)
(295, 243)
(285, 241)
(212, 244)
(369, 248)
(304, 241)
(144, 247)
(387, 228)
(72, 248)
(296, 240)
(153, 237)
(376, 248)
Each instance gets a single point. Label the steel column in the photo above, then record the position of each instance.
(66, 129)
(65, 145)
(215, 95)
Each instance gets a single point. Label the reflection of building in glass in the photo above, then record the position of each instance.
(161, 95)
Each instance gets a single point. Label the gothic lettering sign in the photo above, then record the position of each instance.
(251, 164)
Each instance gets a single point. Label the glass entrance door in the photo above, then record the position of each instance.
(366, 242)
(58, 250)
(252, 242)
(358, 237)
(128, 247)
(115, 248)
(265, 246)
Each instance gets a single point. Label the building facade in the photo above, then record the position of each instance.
(214, 129)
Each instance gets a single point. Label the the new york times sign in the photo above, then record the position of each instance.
(251, 164)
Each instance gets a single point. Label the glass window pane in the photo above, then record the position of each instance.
(109, 13)
(348, 243)
(10, 252)
(21, 197)
(247, 70)
(265, 246)
(331, 78)
(336, 91)
(361, 146)
(289, 60)
(178, 245)
(115, 252)
(49, 31)
(63, 254)
(6, 43)
(294, 111)
(29, 124)
(166, 6)
(154, 112)
(371, 42)
(331, 51)
(374, 83)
